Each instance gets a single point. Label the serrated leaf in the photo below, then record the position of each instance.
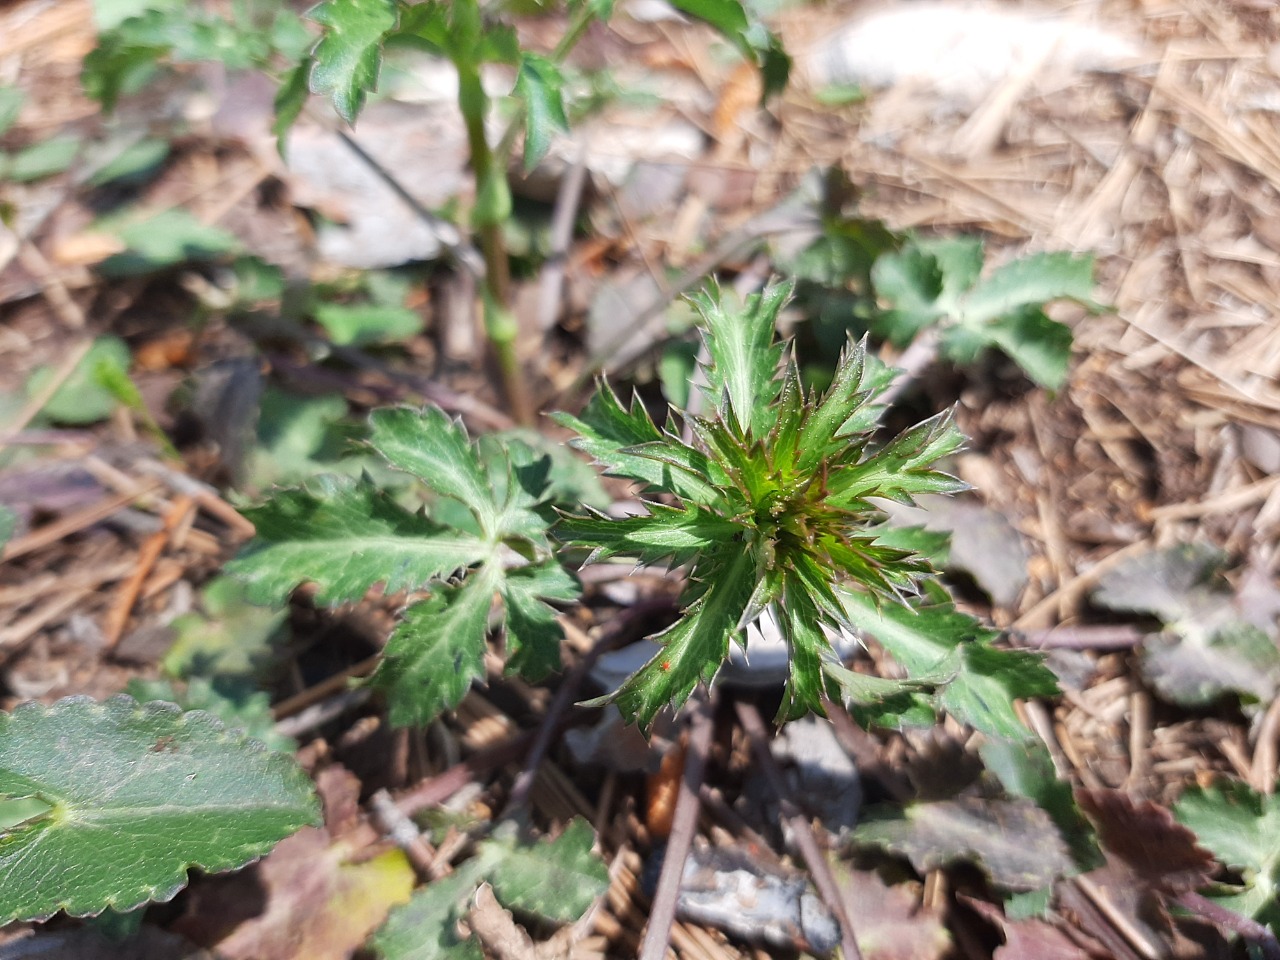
(539, 86)
(345, 535)
(1207, 649)
(348, 57)
(1242, 829)
(799, 620)
(1013, 841)
(1029, 282)
(435, 651)
(611, 435)
(533, 635)
(437, 451)
(928, 640)
(673, 534)
(887, 704)
(139, 794)
(744, 358)
(900, 471)
(1026, 770)
(555, 880)
(234, 702)
(1040, 346)
(910, 282)
(694, 648)
(230, 637)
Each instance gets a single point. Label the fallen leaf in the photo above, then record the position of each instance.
(1014, 841)
(1145, 838)
(889, 922)
(1027, 938)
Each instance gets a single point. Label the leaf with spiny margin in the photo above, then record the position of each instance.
(436, 650)
(539, 84)
(936, 638)
(675, 534)
(1242, 829)
(799, 620)
(533, 635)
(900, 470)
(555, 880)
(828, 419)
(695, 647)
(742, 377)
(610, 434)
(137, 796)
(349, 55)
(888, 704)
(437, 451)
(345, 535)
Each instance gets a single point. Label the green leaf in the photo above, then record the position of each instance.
(910, 281)
(1026, 770)
(1242, 829)
(289, 102)
(888, 704)
(360, 323)
(11, 101)
(667, 533)
(900, 470)
(133, 164)
(426, 928)
(345, 535)
(727, 16)
(694, 648)
(240, 707)
(42, 160)
(554, 880)
(231, 637)
(611, 435)
(1029, 282)
(138, 795)
(982, 681)
(82, 398)
(539, 85)
(533, 634)
(436, 650)
(165, 240)
(800, 622)
(8, 524)
(349, 55)
(744, 358)
(1040, 346)
(437, 451)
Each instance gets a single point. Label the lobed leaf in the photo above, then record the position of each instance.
(1029, 282)
(533, 635)
(345, 535)
(136, 796)
(436, 650)
(555, 880)
(437, 451)
(900, 470)
(347, 59)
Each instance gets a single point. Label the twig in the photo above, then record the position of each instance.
(319, 714)
(450, 236)
(1042, 613)
(1249, 929)
(41, 397)
(118, 616)
(72, 523)
(405, 834)
(685, 823)
(1101, 637)
(327, 687)
(438, 789)
(805, 838)
(1228, 502)
(1262, 771)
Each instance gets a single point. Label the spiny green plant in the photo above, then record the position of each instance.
(775, 496)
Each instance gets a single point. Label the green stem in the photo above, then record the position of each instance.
(500, 325)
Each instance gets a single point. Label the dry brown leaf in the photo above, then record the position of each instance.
(1145, 839)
